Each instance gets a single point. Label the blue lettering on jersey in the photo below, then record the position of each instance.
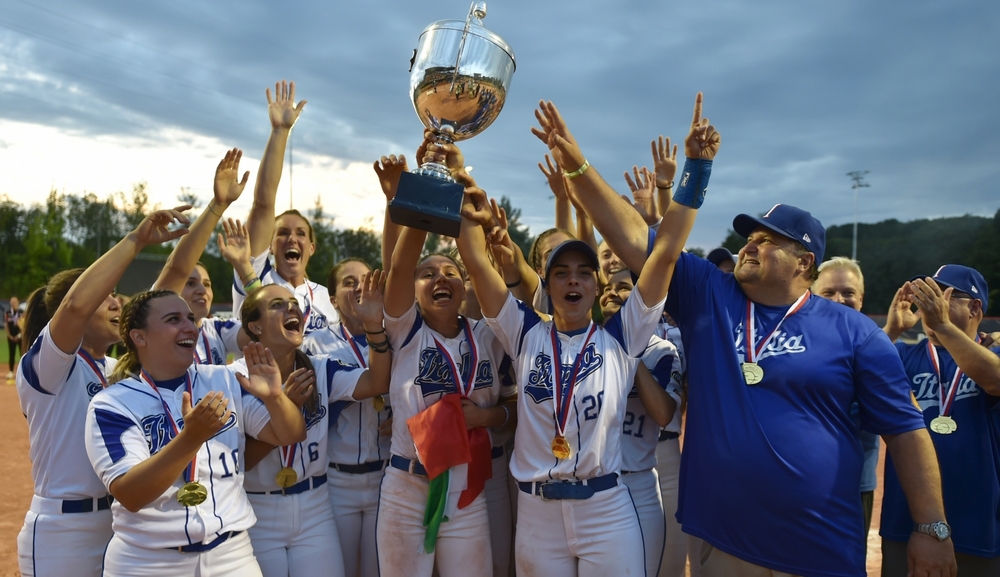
(217, 358)
(156, 431)
(434, 374)
(317, 321)
(926, 389)
(781, 344)
(313, 418)
(94, 388)
(539, 385)
(229, 424)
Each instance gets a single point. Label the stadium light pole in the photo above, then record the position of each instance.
(857, 177)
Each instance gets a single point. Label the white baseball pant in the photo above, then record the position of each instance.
(233, 558)
(53, 543)
(354, 498)
(296, 536)
(645, 490)
(498, 505)
(668, 468)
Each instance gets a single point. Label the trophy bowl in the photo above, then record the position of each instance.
(459, 78)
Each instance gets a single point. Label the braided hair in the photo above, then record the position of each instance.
(535, 254)
(135, 315)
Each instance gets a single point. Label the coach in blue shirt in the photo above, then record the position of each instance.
(956, 381)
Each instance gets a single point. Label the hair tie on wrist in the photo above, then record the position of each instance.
(667, 187)
(513, 284)
(506, 417)
(579, 171)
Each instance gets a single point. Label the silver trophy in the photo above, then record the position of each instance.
(458, 83)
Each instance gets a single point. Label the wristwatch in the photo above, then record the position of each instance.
(939, 530)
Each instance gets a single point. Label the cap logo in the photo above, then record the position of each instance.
(938, 273)
(806, 238)
(770, 211)
(975, 290)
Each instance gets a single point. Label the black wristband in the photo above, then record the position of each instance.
(513, 284)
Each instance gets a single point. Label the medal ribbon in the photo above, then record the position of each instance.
(465, 390)
(947, 398)
(562, 393)
(208, 350)
(288, 455)
(93, 366)
(752, 352)
(305, 313)
(354, 346)
(191, 469)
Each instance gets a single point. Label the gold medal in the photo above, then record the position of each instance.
(192, 494)
(752, 373)
(379, 403)
(560, 447)
(286, 477)
(944, 425)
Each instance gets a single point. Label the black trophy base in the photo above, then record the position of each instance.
(428, 203)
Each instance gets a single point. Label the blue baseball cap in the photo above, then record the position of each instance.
(963, 279)
(720, 254)
(790, 221)
(572, 246)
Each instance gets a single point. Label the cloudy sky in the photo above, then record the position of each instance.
(98, 94)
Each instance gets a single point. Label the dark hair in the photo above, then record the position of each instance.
(250, 312)
(452, 258)
(331, 277)
(535, 255)
(135, 315)
(44, 302)
(292, 211)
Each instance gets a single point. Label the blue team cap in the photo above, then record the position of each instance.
(720, 254)
(572, 246)
(963, 279)
(790, 221)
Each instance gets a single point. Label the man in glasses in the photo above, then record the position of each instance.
(956, 382)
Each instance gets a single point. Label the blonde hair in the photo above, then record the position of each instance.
(844, 263)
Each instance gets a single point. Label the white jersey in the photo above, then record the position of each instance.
(670, 332)
(335, 382)
(639, 432)
(540, 300)
(126, 424)
(421, 375)
(604, 377)
(314, 299)
(54, 389)
(354, 437)
(216, 339)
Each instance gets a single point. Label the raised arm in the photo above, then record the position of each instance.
(69, 323)
(665, 167)
(564, 208)
(399, 292)
(283, 113)
(643, 199)
(388, 169)
(375, 381)
(489, 285)
(979, 363)
(226, 190)
(618, 223)
(901, 317)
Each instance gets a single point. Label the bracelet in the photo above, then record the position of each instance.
(579, 171)
(513, 284)
(506, 417)
(252, 285)
(667, 187)
(382, 347)
(379, 332)
(218, 214)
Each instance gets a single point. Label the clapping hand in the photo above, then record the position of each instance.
(299, 386)
(264, 380)
(206, 418)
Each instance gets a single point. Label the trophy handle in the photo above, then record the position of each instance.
(478, 11)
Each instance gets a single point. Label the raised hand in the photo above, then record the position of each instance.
(369, 308)
(264, 381)
(234, 243)
(703, 141)
(388, 169)
(556, 135)
(553, 174)
(664, 162)
(933, 303)
(154, 229)
(206, 418)
(430, 150)
(901, 317)
(476, 206)
(227, 188)
(642, 192)
(299, 386)
(282, 110)
(502, 248)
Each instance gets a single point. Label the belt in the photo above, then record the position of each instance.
(202, 547)
(369, 467)
(404, 464)
(300, 487)
(87, 505)
(669, 435)
(497, 452)
(556, 490)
